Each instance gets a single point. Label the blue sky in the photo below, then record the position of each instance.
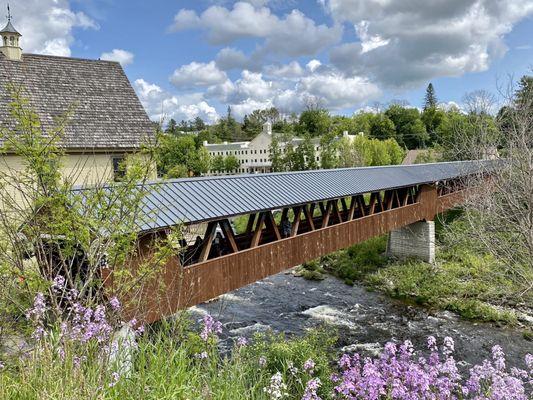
(194, 58)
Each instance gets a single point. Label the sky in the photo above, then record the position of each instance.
(189, 58)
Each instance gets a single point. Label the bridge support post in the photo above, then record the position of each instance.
(416, 240)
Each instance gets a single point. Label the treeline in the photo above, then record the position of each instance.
(387, 132)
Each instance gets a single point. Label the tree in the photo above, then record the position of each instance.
(172, 127)
(304, 155)
(218, 164)
(199, 124)
(315, 122)
(199, 162)
(276, 154)
(500, 208)
(524, 92)
(328, 154)
(348, 153)
(432, 117)
(409, 128)
(70, 235)
(430, 100)
(382, 127)
(231, 163)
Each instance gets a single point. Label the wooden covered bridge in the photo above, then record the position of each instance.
(291, 218)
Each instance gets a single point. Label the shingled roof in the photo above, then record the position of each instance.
(107, 113)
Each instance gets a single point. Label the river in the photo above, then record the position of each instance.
(365, 320)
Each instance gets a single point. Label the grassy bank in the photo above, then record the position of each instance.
(463, 280)
(172, 364)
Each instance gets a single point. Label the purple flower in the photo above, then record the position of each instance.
(115, 304)
(449, 346)
(242, 341)
(38, 309)
(396, 374)
(310, 390)
(58, 284)
(309, 366)
(201, 356)
(262, 361)
(211, 327)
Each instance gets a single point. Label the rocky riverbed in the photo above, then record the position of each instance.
(364, 320)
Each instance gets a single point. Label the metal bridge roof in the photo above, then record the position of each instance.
(193, 200)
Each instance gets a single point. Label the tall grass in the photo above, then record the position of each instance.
(170, 362)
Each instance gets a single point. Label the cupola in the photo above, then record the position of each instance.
(11, 40)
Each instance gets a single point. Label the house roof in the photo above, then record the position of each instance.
(195, 200)
(106, 111)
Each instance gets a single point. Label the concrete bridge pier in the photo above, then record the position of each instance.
(416, 240)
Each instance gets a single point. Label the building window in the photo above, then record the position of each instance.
(119, 169)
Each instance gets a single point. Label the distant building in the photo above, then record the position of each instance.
(254, 155)
(107, 120)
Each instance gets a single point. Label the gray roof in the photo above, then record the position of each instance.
(107, 113)
(9, 28)
(193, 200)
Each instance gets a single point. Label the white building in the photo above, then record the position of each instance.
(254, 156)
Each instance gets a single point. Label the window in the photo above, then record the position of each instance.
(119, 169)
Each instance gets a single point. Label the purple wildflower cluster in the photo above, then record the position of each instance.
(310, 389)
(211, 328)
(396, 374)
(36, 315)
(87, 324)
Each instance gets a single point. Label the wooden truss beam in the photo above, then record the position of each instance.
(208, 240)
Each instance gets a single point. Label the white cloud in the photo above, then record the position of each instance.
(404, 43)
(47, 25)
(122, 56)
(162, 105)
(328, 87)
(313, 65)
(229, 58)
(294, 34)
(197, 75)
(285, 71)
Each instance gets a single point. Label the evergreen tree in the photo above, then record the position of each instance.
(199, 124)
(430, 100)
(172, 127)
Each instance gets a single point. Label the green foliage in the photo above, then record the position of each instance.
(172, 150)
(315, 122)
(382, 127)
(356, 262)
(218, 164)
(363, 151)
(311, 270)
(409, 128)
(231, 163)
(329, 151)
